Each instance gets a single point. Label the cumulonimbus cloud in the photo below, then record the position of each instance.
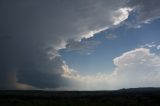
(32, 32)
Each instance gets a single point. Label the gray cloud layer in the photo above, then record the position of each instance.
(147, 9)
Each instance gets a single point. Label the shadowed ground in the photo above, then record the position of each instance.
(123, 97)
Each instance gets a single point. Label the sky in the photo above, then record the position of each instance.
(79, 44)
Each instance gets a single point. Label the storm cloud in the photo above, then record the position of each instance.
(32, 32)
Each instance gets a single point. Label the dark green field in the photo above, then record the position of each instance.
(124, 97)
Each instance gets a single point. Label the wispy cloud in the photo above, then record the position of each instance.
(83, 47)
(111, 36)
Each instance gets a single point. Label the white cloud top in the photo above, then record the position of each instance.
(135, 68)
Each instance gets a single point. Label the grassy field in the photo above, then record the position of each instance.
(124, 97)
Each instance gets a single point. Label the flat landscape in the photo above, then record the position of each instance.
(123, 97)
